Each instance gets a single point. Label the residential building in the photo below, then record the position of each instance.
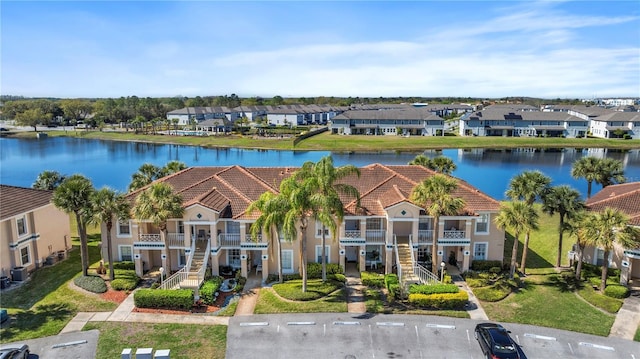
(184, 115)
(616, 124)
(509, 121)
(31, 229)
(215, 229)
(626, 198)
(398, 121)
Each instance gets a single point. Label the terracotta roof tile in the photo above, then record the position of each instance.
(18, 200)
(625, 197)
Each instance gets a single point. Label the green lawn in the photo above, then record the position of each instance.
(184, 341)
(316, 289)
(270, 303)
(611, 305)
(637, 337)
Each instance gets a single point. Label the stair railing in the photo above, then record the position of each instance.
(203, 269)
(425, 276)
(398, 265)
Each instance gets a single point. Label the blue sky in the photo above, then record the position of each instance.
(547, 49)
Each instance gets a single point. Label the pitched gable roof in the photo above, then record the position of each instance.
(625, 197)
(18, 200)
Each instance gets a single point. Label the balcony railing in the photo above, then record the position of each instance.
(376, 235)
(425, 236)
(175, 239)
(352, 233)
(250, 238)
(149, 237)
(229, 239)
(454, 234)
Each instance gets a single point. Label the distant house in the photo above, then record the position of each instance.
(616, 124)
(32, 229)
(399, 121)
(215, 126)
(626, 198)
(184, 115)
(509, 121)
(286, 115)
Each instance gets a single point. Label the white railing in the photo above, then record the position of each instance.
(191, 254)
(398, 265)
(352, 233)
(203, 269)
(250, 238)
(149, 237)
(175, 239)
(229, 239)
(454, 234)
(426, 277)
(376, 236)
(175, 280)
(425, 236)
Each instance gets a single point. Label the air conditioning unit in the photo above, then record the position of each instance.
(19, 274)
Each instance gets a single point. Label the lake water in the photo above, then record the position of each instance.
(112, 163)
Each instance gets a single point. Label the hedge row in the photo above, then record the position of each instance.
(440, 301)
(433, 289)
(616, 291)
(163, 298)
(393, 285)
(372, 279)
(126, 279)
(123, 265)
(209, 288)
(485, 265)
(314, 270)
(94, 284)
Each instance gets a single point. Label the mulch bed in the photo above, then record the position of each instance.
(116, 296)
(201, 309)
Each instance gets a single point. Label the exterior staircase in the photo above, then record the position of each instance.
(406, 265)
(198, 260)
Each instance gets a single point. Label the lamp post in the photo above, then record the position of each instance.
(442, 265)
(161, 275)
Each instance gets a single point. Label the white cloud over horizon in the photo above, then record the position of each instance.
(539, 49)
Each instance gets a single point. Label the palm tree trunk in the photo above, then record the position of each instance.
(579, 265)
(112, 272)
(525, 249)
(303, 259)
(166, 244)
(434, 247)
(560, 233)
(605, 269)
(84, 251)
(324, 257)
(589, 189)
(514, 255)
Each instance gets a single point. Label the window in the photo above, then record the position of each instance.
(180, 227)
(374, 223)
(482, 223)
(233, 258)
(424, 255)
(22, 226)
(25, 256)
(480, 251)
(126, 253)
(182, 258)
(124, 229)
(319, 230)
(327, 252)
(233, 227)
(287, 261)
(600, 257)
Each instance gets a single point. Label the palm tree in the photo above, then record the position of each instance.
(74, 196)
(528, 186)
(443, 164)
(146, 174)
(48, 180)
(434, 195)
(611, 226)
(587, 168)
(581, 226)
(298, 195)
(158, 204)
(108, 204)
(519, 218)
(421, 160)
(273, 209)
(610, 171)
(171, 167)
(565, 201)
(324, 177)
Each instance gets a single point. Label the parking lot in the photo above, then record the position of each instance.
(401, 336)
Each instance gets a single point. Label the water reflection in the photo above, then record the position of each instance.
(113, 162)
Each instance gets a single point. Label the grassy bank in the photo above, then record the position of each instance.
(338, 143)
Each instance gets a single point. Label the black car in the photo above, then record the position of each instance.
(15, 351)
(495, 342)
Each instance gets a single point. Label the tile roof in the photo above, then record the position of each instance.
(625, 197)
(231, 189)
(18, 200)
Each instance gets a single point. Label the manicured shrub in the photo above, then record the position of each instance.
(123, 284)
(316, 289)
(485, 265)
(372, 279)
(123, 265)
(476, 282)
(594, 281)
(496, 292)
(616, 291)
(447, 279)
(163, 298)
(495, 270)
(94, 284)
(314, 270)
(433, 289)
(440, 301)
(338, 277)
(209, 288)
(390, 279)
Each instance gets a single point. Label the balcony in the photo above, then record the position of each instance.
(229, 239)
(149, 238)
(454, 237)
(176, 240)
(352, 233)
(453, 234)
(149, 241)
(425, 236)
(376, 236)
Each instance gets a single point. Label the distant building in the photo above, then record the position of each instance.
(400, 121)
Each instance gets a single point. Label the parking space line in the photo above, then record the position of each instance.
(468, 337)
(301, 323)
(542, 337)
(390, 324)
(62, 345)
(346, 323)
(254, 324)
(591, 345)
(441, 326)
(518, 339)
(570, 348)
(417, 335)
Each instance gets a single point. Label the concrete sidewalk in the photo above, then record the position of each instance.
(628, 319)
(355, 295)
(249, 296)
(474, 308)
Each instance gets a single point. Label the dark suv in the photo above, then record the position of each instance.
(495, 342)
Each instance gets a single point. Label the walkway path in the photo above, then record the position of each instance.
(474, 308)
(249, 296)
(355, 294)
(628, 318)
